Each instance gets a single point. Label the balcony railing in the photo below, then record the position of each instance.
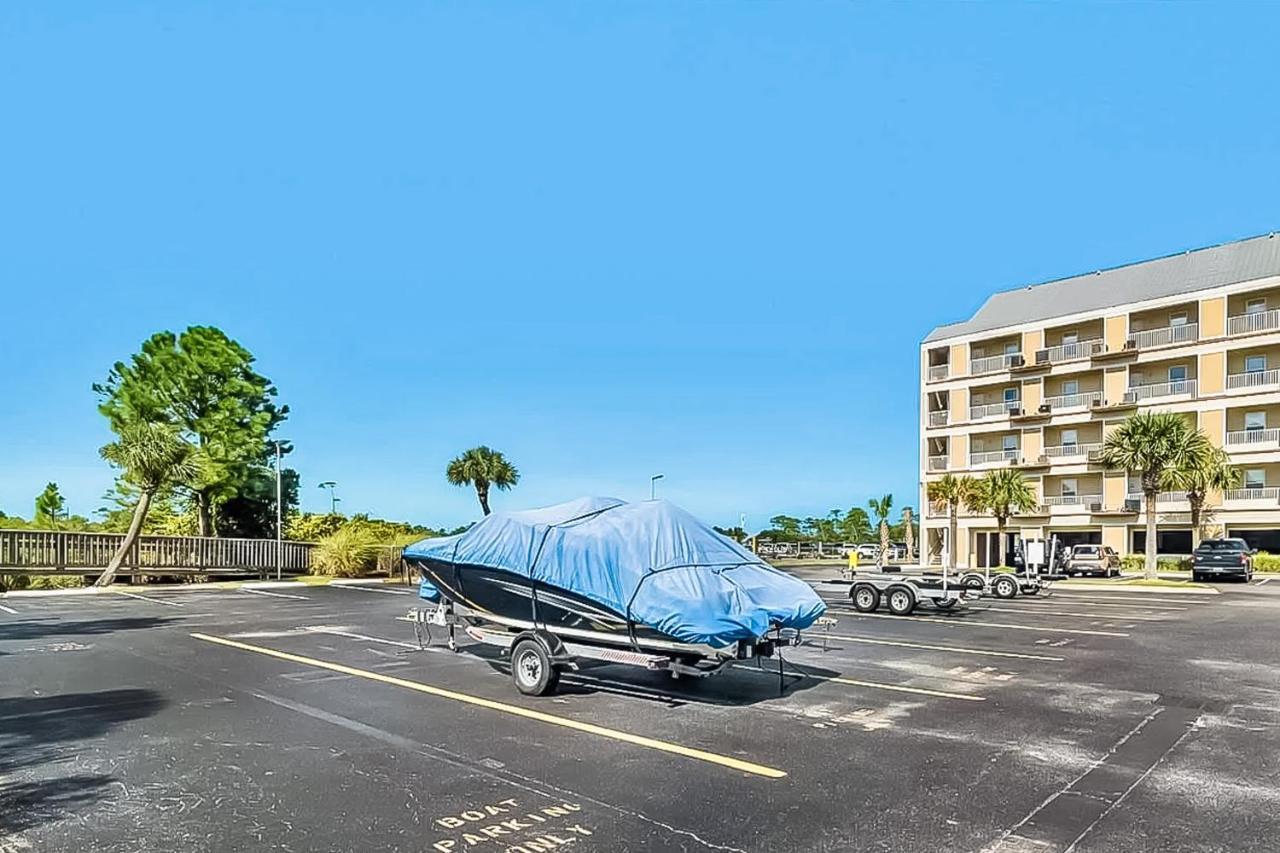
(1071, 500)
(1253, 437)
(1259, 321)
(938, 371)
(938, 418)
(984, 457)
(1136, 393)
(937, 463)
(1161, 498)
(991, 364)
(1072, 352)
(1073, 401)
(1257, 493)
(991, 410)
(1253, 379)
(1184, 334)
(1068, 451)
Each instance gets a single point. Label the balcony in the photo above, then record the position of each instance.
(993, 364)
(937, 463)
(993, 410)
(1257, 494)
(1070, 352)
(938, 418)
(1258, 321)
(1073, 452)
(1166, 336)
(1254, 439)
(1253, 379)
(1161, 498)
(1073, 401)
(1072, 500)
(938, 371)
(988, 456)
(1183, 387)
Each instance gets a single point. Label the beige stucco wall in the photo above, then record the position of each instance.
(1032, 341)
(959, 360)
(959, 399)
(1032, 395)
(1213, 317)
(959, 452)
(1113, 490)
(1117, 332)
(1031, 444)
(1235, 416)
(1113, 384)
(1085, 382)
(1211, 372)
(1213, 424)
(1113, 535)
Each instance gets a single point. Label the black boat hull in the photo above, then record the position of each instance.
(513, 596)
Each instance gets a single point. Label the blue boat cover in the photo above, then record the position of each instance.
(651, 561)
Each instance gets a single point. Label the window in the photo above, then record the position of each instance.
(1179, 319)
(1178, 373)
(1012, 349)
(1135, 378)
(1255, 420)
(1009, 442)
(1069, 488)
(1255, 306)
(1255, 363)
(1069, 438)
(1070, 388)
(1255, 478)
(1069, 338)
(1011, 395)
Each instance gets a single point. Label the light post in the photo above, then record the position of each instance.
(653, 485)
(333, 495)
(279, 519)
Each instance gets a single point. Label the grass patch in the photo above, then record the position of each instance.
(16, 582)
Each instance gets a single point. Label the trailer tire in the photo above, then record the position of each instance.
(944, 603)
(866, 598)
(901, 600)
(973, 582)
(1004, 587)
(532, 669)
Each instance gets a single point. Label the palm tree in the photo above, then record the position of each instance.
(1153, 445)
(880, 507)
(1207, 469)
(952, 491)
(152, 457)
(908, 531)
(1002, 493)
(482, 467)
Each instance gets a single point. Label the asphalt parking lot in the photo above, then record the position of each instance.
(306, 719)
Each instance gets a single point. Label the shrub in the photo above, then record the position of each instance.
(346, 553)
(1138, 562)
(1264, 562)
(8, 582)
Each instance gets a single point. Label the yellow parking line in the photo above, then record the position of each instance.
(935, 648)
(514, 710)
(969, 623)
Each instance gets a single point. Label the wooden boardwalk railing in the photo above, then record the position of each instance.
(49, 551)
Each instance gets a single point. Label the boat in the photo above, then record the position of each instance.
(646, 576)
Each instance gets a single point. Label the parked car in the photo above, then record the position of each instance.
(868, 551)
(1222, 558)
(1093, 560)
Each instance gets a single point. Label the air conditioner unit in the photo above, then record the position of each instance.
(1131, 344)
(1045, 408)
(1015, 413)
(1042, 356)
(1096, 506)
(1099, 403)
(1094, 455)
(1042, 460)
(1016, 361)
(1132, 504)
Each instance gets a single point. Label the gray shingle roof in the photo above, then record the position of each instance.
(1201, 269)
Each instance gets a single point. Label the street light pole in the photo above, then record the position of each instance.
(653, 485)
(279, 518)
(333, 495)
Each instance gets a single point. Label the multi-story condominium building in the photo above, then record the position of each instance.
(1041, 374)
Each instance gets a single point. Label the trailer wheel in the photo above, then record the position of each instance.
(901, 600)
(866, 598)
(973, 582)
(1004, 587)
(944, 603)
(532, 669)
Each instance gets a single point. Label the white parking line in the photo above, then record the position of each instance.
(935, 648)
(369, 589)
(273, 594)
(353, 636)
(1106, 617)
(8, 609)
(969, 623)
(1261, 582)
(147, 598)
(1093, 602)
(1130, 599)
(877, 685)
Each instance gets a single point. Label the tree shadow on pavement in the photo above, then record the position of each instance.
(35, 629)
(38, 730)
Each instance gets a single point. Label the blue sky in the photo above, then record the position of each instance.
(610, 239)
